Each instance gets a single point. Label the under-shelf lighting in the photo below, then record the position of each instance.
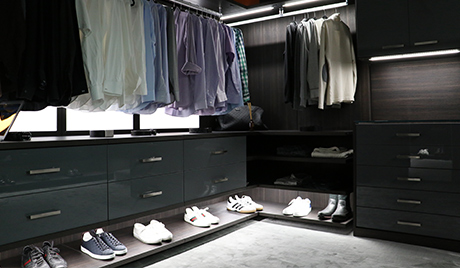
(299, 3)
(293, 13)
(415, 55)
(255, 11)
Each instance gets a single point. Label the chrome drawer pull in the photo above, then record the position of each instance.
(399, 156)
(393, 46)
(221, 180)
(424, 43)
(405, 201)
(406, 223)
(43, 171)
(408, 135)
(409, 179)
(44, 215)
(152, 159)
(151, 194)
(219, 152)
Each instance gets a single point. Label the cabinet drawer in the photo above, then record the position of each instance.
(436, 157)
(409, 222)
(130, 161)
(407, 200)
(140, 195)
(28, 171)
(444, 180)
(210, 181)
(413, 134)
(39, 214)
(202, 153)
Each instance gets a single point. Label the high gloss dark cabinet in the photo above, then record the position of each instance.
(401, 26)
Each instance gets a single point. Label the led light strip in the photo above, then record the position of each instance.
(293, 13)
(299, 3)
(247, 13)
(415, 55)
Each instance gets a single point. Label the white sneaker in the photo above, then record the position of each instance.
(236, 204)
(195, 218)
(160, 228)
(303, 208)
(146, 234)
(292, 206)
(208, 216)
(248, 200)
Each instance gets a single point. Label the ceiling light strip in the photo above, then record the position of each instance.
(247, 13)
(416, 55)
(293, 13)
(299, 3)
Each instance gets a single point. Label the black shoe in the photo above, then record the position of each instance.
(52, 256)
(32, 257)
(343, 211)
(330, 209)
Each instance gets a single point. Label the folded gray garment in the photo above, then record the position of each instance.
(331, 152)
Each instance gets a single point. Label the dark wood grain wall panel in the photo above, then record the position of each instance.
(416, 90)
(264, 42)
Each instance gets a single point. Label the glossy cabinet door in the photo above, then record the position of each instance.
(382, 26)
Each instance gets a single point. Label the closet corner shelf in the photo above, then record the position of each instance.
(301, 159)
(304, 133)
(306, 189)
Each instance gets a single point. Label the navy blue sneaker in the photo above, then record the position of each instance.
(32, 257)
(93, 245)
(110, 240)
(52, 257)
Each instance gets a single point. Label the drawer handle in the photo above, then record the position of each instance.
(221, 180)
(43, 171)
(408, 135)
(44, 215)
(409, 179)
(412, 202)
(152, 159)
(151, 194)
(406, 223)
(399, 156)
(424, 43)
(219, 152)
(393, 46)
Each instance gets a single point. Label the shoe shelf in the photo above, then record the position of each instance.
(275, 210)
(300, 159)
(342, 191)
(183, 232)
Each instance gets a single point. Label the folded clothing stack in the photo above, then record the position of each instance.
(331, 152)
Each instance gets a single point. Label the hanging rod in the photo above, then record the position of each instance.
(196, 7)
(293, 13)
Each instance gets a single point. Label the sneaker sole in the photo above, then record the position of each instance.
(120, 252)
(96, 256)
(146, 242)
(242, 211)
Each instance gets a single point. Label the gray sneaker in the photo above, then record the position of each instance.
(93, 245)
(110, 240)
(52, 256)
(32, 257)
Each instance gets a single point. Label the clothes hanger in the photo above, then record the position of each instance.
(133, 3)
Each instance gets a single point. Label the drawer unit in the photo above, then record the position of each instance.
(202, 153)
(409, 222)
(205, 182)
(405, 134)
(438, 157)
(140, 195)
(39, 214)
(137, 160)
(407, 200)
(28, 171)
(444, 180)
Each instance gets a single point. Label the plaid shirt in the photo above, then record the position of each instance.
(243, 65)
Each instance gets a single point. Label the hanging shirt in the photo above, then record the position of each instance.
(172, 56)
(338, 57)
(239, 42)
(289, 58)
(313, 62)
(233, 78)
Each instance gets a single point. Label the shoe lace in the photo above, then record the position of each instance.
(37, 256)
(113, 240)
